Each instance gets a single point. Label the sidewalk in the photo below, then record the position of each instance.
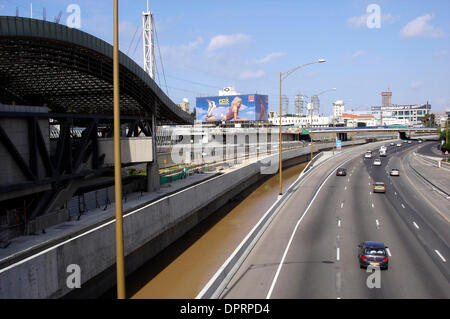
(440, 177)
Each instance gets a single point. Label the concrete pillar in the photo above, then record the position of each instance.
(153, 167)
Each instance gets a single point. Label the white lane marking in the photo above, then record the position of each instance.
(395, 193)
(350, 174)
(342, 205)
(415, 225)
(345, 188)
(376, 222)
(369, 184)
(339, 223)
(337, 254)
(403, 206)
(295, 230)
(373, 206)
(348, 179)
(439, 254)
(370, 192)
(389, 252)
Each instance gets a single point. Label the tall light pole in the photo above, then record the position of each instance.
(283, 76)
(311, 111)
(117, 162)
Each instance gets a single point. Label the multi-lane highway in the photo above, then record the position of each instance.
(310, 248)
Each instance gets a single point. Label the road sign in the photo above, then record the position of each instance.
(338, 145)
(305, 132)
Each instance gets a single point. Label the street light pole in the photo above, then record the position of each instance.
(283, 76)
(117, 161)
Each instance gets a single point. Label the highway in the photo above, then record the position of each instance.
(310, 248)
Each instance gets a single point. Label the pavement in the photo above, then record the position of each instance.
(310, 248)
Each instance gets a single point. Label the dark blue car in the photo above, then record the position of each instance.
(373, 253)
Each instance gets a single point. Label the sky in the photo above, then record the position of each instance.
(205, 45)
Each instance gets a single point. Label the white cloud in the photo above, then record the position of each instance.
(417, 84)
(270, 57)
(222, 41)
(361, 21)
(246, 75)
(419, 27)
(441, 54)
(358, 54)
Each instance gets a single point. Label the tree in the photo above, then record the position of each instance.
(428, 120)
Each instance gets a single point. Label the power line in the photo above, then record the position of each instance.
(160, 58)
(132, 40)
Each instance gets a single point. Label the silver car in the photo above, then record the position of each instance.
(377, 162)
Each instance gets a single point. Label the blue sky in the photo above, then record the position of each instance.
(207, 45)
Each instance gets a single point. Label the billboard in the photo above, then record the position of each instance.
(248, 107)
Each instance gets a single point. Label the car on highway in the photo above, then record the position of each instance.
(405, 141)
(377, 162)
(409, 142)
(383, 152)
(419, 141)
(394, 172)
(341, 172)
(379, 187)
(399, 145)
(373, 253)
(392, 144)
(368, 155)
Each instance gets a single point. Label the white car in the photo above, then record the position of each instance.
(394, 172)
(409, 142)
(399, 145)
(368, 155)
(377, 162)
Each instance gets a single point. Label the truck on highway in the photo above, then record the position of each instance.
(382, 152)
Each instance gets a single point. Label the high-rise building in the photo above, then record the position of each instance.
(316, 105)
(386, 98)
(184, 105)
(284, 105)
(338, 108)
(299, 104)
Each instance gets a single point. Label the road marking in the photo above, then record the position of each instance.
(403, 206)
(373, 206)
(370, 192)
(431, 204)
(439, 254)
(295, 230)
(345, 188)
(339, 223)
(389, 252)
(337, 254)
(376, 222)
(395, 193)
(342, 205)
(415, 225)
(348, 179)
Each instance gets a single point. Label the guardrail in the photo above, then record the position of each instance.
(447, 195)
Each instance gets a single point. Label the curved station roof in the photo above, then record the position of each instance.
(70, 71)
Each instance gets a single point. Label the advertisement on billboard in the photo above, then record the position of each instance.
(248, 107)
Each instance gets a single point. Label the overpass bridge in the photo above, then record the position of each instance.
(56, 82)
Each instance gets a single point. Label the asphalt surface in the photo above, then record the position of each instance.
(431, 149)
(310, 248)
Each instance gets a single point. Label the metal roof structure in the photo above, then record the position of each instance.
(70, 71)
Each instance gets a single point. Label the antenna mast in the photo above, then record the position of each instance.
(148, 42)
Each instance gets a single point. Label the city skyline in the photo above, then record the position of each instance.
(201, 54)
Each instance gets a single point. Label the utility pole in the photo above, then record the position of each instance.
(118, 161)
